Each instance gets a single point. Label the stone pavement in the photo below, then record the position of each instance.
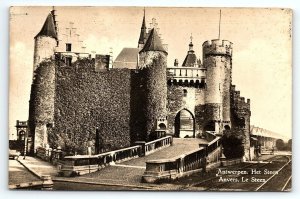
(19, 174)
(39, 167)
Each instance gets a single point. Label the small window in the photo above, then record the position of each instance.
(184, 92)
(68, 47)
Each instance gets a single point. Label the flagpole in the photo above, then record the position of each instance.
(220, 24)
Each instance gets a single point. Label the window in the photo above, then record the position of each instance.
(68, 47)
(184, 92)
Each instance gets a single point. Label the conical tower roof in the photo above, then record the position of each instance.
(143, 34)
(48, 28)
(153, 43)
(190, 59)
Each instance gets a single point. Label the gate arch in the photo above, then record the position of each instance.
(184, 124)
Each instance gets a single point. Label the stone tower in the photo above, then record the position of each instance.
(217, 58)
(45, 41)
(41, 104)
(152, 68)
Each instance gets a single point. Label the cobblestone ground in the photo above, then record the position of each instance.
(18, 174)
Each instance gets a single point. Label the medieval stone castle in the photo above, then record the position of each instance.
(135, 98)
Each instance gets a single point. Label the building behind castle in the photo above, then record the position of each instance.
(136, 98)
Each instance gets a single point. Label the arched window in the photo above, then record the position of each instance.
(184, 92)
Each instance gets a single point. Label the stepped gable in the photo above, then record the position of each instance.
(153, 43)
(48, 28)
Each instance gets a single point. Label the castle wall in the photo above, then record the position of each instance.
(152, 68)
(86, 99)
(41, 104)
(177, 101)
(44, 48)
(240, 118)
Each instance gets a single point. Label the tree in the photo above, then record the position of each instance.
(280, 144)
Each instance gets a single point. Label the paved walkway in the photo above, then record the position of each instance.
(180, 146)
(39, 167)
(19, 174)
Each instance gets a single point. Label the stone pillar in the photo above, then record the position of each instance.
(47, 182)
(181, 164)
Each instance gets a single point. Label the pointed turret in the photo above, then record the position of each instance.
(143, 34)
(153, 43)
(190, 59)
(45, 42)
(48, 28)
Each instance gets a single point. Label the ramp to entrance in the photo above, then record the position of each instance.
(180, 146)
(131, 171)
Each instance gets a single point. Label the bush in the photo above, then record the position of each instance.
(233, 147)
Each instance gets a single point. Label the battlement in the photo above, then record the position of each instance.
(239, 99)
(217, 47)
(69, 59)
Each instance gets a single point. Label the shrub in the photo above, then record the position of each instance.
(233, 147)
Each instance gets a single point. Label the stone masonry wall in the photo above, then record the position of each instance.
(177, 102)
(44, 48)
(240, 118)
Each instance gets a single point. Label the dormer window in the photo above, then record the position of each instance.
(68, 47)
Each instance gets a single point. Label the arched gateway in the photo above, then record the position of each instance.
(184, 124)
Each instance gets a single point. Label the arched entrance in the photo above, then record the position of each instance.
(184, 124)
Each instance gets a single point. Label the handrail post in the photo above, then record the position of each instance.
(181, 164)
(142, 151)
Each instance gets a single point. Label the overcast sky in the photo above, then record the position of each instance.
(262, 68)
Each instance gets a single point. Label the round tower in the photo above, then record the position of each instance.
(217, 58)
(42, 96)
(45, 42)
(152, 69)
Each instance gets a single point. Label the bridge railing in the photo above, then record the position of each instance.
(206, 157)
(151, 147)
(49, 154)
(82, 164)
